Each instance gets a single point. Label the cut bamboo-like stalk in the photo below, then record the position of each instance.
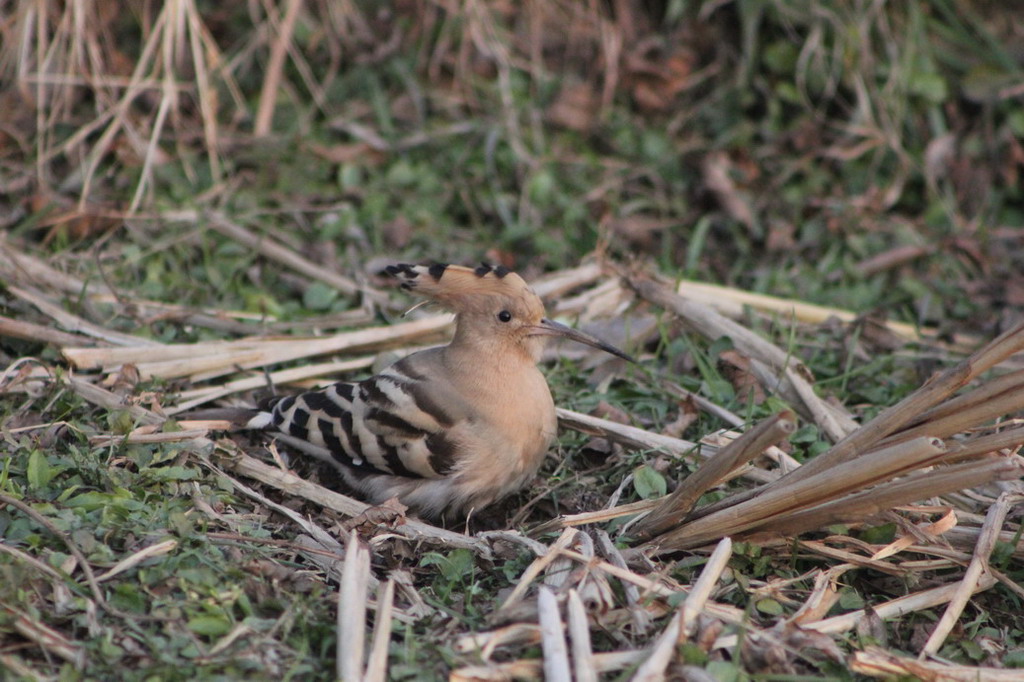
(552, 637)
(377, 665)
(712, 471)
(969, 415)
(993, 442)
(352, 594)
(709, 322)
(579, 639)
(732, 301)
(915, 486)
(842, 479)
(639, 439)
(982, 393)
(249, 353)
(907, 410)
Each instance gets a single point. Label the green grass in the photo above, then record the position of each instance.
(830, 121)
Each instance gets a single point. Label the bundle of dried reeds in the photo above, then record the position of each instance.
(927, 445)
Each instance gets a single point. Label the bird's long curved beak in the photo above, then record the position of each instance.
(551, 328)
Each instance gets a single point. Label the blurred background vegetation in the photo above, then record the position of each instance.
(861, 154)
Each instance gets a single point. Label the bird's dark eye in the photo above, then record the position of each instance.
(505, 316)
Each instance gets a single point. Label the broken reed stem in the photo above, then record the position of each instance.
(714, 470)
(907, 410)
(983, 393)
(552, 636)
(231, 356)
(979, 564)
(712, 324)
(579, 638)
(352, 594)
(916, 486)
(708, 321)
(639, 439)
(919, 601)
(969, 415)
(694, 603)
(19, 329)
(846, 477)
(377, 665)
(993, 442)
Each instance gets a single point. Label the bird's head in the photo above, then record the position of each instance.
(494, 307)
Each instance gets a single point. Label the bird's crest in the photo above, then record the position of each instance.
(460, 288)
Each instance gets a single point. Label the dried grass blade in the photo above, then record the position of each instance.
(275, 67)
(694, 603)
(552, 637)
(579, 639)
(377, 665)
(352, 609)
(415, 530)
(979, 565)
(133, 560)
(919, 601)
(877, 662)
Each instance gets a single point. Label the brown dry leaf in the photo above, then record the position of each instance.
(717, 169)
(639, 231)
(688, 414)
(933, 530)
(354, 152)
(657, 79)
(781, 236)
(123, 381)
(62, 215)
(736, 369)
(606, 410)
(575, 107)
(397, 232)
(388, 513)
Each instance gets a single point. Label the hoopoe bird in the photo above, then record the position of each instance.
(450, 429)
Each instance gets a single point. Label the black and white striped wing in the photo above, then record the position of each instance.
(391, 423)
